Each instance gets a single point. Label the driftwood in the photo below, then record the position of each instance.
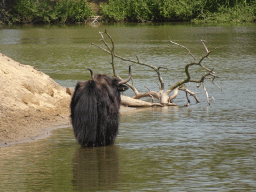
(163, 96)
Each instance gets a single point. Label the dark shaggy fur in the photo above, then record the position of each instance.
(95, 110)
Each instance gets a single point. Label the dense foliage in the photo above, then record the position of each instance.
(179, 10)
(63, 11)
(49, 11)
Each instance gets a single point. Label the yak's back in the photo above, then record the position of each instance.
(95, 111)
(84, 112)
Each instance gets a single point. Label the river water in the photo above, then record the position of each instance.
(197, 148)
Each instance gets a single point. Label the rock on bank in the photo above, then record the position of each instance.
(29, 102)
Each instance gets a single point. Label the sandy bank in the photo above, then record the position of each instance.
(31, 103)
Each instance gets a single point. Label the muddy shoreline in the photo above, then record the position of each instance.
(45, 129)
(44, 133)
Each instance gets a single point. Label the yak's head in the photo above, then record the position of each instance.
(112, 84)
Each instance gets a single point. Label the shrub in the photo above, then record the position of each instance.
(80, 11)
(114, 10)
(48, 11)
(154, 10)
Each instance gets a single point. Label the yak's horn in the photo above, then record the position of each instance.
(128, 78)
(91, 73)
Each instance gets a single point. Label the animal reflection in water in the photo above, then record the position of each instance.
(96, 169)
(95, 109)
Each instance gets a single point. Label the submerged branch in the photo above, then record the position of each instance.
(206, 93)
(156, 69)
(164, 97)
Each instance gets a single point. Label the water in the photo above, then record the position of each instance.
(199, 148)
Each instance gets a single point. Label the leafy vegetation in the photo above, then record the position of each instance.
(63, 11)
(232, 12)
(180, 10)
(48, 11)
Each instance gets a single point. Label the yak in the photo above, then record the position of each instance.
(95, 108)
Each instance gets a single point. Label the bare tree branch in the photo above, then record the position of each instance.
(203, 41)
(111, 50)
(216, 84)
(206, 93)
(188, 103)
(163, 96)
(183, 48)
(174, 95)
(150, 94)
(183, 88)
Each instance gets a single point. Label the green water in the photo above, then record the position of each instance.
(199, 148)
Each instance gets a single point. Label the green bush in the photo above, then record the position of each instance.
(240, 12)
(63, 10)
(26, 10)
(150, 10)
(80, 11)
(114, 10)
(179, 10)
(47, 11)
(137, 10)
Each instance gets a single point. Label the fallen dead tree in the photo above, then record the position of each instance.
(163, 96)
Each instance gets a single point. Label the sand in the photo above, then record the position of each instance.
(31, 103)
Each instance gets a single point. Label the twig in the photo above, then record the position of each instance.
(216, 83)
(111, 50)
(187, 96)
(190, 93)
(150, 94)
(203, 41)
(102, 39)
(184, 48)
(206, 93)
